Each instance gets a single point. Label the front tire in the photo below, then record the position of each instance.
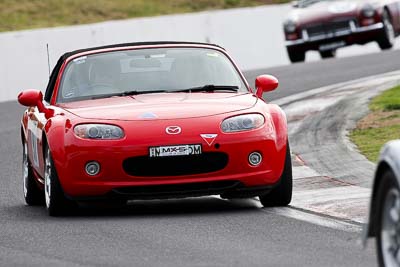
(296, 56)
(281, 195)
(327, 54)
(56, 202)
(32, 194)
(388, 221)
(387, 37)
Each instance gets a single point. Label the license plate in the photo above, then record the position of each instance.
(331, 46)
(171, 151)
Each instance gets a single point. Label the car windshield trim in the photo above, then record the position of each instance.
(149, 71)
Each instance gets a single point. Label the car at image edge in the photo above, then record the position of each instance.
(327, 25)
(384, 217)
(152, 120)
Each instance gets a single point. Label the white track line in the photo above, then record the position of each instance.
(314, 219)
(304, 215)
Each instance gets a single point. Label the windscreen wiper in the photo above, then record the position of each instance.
(128, 93)
(210, 88)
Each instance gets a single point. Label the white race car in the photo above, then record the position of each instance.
(384, 217)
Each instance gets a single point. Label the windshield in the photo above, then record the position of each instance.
(306, 3)
(145, 71)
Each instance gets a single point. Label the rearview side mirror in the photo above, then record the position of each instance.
(265, 83)
(30, 98)
(34, 98)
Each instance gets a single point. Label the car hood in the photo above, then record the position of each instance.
(161, 106)
(325, 11)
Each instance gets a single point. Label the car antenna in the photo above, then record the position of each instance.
(48, 58)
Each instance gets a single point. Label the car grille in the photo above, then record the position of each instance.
(329, 28)
(175, 166)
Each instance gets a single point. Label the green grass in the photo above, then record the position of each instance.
(389, 100)
(370, 139)
(27, 14)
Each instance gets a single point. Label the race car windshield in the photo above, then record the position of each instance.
(306, 3)
(148, 71)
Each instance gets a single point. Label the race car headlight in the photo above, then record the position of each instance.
(99, 131)
(368, 11)
(242, 123)
(290, 26)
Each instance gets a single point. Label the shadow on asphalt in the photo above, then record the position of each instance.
(150, 208)
(172, 207)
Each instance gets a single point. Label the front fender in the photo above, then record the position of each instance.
(277, 118)
(279, 121)
(55, 132)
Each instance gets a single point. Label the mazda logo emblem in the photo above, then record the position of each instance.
(173, 130)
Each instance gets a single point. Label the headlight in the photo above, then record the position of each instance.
(290, 26)
(98, 131)
(242, 123)
(368, 11)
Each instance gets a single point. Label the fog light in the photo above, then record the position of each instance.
(92, 168)
(255, 158)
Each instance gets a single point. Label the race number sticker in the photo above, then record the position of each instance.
(32, 127)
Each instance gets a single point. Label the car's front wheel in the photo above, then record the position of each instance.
(387, 37)
(296, 55)
(388, 221)
(328, 54)
(281, 195)
(32, 193)
(56, 202)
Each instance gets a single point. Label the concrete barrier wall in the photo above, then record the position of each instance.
(253, 36)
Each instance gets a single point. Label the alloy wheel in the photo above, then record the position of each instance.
(390, 231)
(388, 28)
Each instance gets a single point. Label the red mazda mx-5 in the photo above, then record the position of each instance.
(326, 25)
(152, 121)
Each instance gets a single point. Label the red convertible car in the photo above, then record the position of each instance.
(152, 121)
(326, 25)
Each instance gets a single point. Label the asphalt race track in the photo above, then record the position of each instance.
(192, 232)
(302, 77)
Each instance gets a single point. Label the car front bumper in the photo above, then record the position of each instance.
(334, 40)
(237, 178)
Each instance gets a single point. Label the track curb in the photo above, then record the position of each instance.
(332, 177)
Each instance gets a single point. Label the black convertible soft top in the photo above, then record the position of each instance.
(56, 70)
